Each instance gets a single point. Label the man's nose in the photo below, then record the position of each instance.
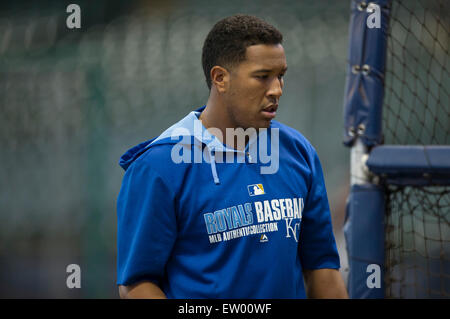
(276, 88)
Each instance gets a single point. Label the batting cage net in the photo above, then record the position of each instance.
(416, 110)
(397, 123)
(417, 242)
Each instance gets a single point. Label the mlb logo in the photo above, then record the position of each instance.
(255, 189)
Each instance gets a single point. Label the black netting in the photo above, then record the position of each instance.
(417, 111)
(416, 106)
(418, 242)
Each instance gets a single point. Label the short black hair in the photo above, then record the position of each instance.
(228, 40)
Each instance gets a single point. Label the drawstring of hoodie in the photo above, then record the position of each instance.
(213, 166)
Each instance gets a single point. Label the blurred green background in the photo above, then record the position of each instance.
(73, 100)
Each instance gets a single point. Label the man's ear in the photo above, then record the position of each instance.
(220, 78)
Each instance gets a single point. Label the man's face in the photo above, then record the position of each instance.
(255, 86)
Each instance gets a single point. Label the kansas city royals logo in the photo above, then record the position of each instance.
(294, 228)
(255, 189)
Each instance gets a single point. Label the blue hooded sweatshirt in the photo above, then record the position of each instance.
(202, 220)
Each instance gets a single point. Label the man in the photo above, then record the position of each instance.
(201, 215)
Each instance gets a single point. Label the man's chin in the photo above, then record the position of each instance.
(265, 124)
(261, 124)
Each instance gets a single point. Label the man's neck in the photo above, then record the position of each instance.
(215, 116)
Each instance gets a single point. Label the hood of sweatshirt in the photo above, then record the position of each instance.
(188, 131)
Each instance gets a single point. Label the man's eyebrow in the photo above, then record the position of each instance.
(268, 70)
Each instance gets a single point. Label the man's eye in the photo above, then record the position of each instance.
(263, 77)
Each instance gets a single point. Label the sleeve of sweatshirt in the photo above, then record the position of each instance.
(317, 243)
(146, 225)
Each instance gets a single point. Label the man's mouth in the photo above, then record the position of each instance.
(270, 111)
